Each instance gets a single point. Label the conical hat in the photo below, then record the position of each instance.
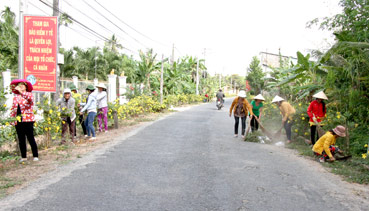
(259, 97)
(321, 95)
(277, 99)
(242, 93)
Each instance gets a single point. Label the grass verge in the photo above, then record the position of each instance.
(354, 169)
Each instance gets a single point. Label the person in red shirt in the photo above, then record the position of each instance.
(316, 112)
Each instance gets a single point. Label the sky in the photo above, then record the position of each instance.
(229, 32)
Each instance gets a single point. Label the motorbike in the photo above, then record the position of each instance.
(219, 104)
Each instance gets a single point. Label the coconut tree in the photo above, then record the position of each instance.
(9, 41)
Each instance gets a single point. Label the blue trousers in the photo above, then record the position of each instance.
(89, 123)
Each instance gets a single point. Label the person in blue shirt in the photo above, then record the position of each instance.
(90, 107)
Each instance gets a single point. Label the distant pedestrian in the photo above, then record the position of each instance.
(207, 97)
(102, 105)
(316, 112)
(325, 146)
(68, 114)
(287, 112)
(90, 107)
(22, 109)
(257, 108)
(78, 98)
(240, 108)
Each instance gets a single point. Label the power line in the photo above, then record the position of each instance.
(76, 21)
(91, 18)
(129, 25)
(115, 24)
(38, 8)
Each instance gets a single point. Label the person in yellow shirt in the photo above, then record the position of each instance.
(325, 146)
(287, 112)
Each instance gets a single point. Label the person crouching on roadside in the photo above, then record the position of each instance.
(240, 108)
(287, 112)
(90, 107)
(325, 146)
(316, 111)
(22, 109)
(68, 114)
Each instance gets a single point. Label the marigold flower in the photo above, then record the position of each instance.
(363, 156)
(338, 116)
(366, 145)
(51, 111)
(4, 105)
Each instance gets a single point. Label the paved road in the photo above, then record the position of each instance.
(190, 161)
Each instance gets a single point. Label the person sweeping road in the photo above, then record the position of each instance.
(316, 112)
(325, 146)
(240, 108)
(257, 108)
(287, 112)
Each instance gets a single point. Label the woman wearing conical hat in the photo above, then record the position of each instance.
(240, 108)
(316, 112)
(287, 115)
(257, 107)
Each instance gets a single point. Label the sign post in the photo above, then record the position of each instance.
(40, 52)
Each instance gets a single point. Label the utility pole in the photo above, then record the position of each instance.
(197, 77)
(172, 60)
(162, 79)
(58, 82)
(204, 75)
(220, 80)
(22, 9)
(231, 83)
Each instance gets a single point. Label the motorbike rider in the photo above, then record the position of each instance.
(220, 96)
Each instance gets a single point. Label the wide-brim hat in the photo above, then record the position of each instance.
(277, 99)
(340, 130)
(72, 87)
(242, 93)
(321, 95)
(101, 85)
(90, 87)
(259, 97)
(15, 82)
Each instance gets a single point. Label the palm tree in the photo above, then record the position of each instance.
(145, 67)
(113, 44)
(9, 41)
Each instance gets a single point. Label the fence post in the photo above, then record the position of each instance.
(115, 116)
(122, 89)
(75, 81)
(112, 88)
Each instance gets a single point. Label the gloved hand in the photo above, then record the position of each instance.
(315, 120)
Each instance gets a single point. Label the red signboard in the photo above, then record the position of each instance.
(40, 52)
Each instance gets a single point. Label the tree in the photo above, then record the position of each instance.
(8, 41)
(113, 44)
(255, 76)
